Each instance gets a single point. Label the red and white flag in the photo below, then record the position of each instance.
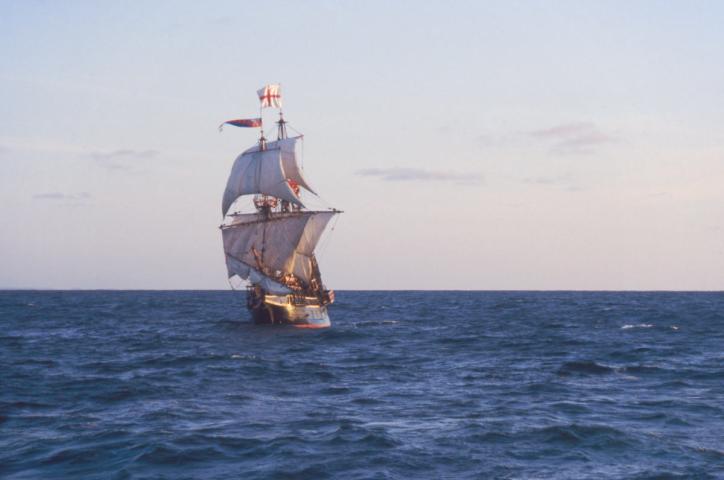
(270, 96)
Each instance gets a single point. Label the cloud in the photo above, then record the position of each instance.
(578, 137)
(124, 159)
(497, 140)
(418, 174)
(124, 153)
(563, 182)
(563, 131)
(543, 180)
(62, 196)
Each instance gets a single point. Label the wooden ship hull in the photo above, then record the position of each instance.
(291, 310)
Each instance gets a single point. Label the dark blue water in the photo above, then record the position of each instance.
(405, 385)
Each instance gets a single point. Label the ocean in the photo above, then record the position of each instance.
(405, 385)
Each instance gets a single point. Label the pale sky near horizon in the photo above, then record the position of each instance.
(472, 145)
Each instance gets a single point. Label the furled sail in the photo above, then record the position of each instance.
(266, 172)
(281, 244)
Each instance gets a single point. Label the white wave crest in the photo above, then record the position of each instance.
(640, 325)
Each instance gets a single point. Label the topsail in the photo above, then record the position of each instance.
(266, 172)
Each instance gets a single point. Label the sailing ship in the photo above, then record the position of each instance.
(270, 249)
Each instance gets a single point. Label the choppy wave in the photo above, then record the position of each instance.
(640, 325)
(405, 385)
(584, 367)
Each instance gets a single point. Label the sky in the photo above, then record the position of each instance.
(505, 145)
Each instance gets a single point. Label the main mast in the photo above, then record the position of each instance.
(266, 204)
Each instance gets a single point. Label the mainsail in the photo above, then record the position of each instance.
(270, 247)
(266, 172)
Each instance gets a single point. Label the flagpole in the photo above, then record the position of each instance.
(282, 133)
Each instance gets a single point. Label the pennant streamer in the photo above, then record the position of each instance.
(242, 122)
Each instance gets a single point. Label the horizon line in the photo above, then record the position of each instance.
(41, 289)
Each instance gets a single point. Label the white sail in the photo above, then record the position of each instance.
(256, 171)
(292, 169)
(284, 243)
(246, 272)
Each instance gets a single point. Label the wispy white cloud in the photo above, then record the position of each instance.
(99, 153)
(547, 180)
(561, 182)
(62, 196)
(577, 137)
(563, 131)
(124, 153)
(490, 139)
(567, 138)
(123, 159)
(419, 174)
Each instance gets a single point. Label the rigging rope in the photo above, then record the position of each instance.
(325, 242)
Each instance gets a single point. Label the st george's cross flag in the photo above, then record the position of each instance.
(270, 96)
(242, 122)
